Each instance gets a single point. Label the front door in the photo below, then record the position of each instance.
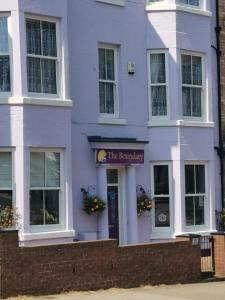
(113, 207)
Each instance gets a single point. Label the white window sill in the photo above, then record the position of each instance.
(111, 121)
(174, 7)
(180, 123)
(113, 2)
(36, 101)
(46, 235)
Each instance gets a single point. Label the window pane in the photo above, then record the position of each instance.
(37, 169)
(189, 210)
(52, 169)
(102, 63)
(49, 76)
(51, 207)
(200, 179)
(102, 97)
(199, 210)
(194, 2)
(158, 95)
(162, 212)
(5, 170)
(4, 74)
(36, 208)
(33, 37)
(110, 64)
(196, 102)
(186, 98)
(189, 179)
(5, 199)
(161, 180)
(112, 176)
(109, 98)
(4, 47)
(157, 65)
(34, 74)
(186, 69)
(49, 39)
(197, 70)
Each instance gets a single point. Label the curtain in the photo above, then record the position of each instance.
(5, 170)
(157, 66)
(49, 76)
(110, 64)
(52, 169)
(37, 169)
(49, 39)
(4, 47)
(33, 30)
(159, 107)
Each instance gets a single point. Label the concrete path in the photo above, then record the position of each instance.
(201, 291)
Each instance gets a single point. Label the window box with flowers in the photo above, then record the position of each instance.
(144, 203)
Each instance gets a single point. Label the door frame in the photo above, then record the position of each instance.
(162, 232)
(122, 210)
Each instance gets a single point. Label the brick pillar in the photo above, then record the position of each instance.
(8, 258)
(219, 253)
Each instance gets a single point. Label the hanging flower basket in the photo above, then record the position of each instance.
(9, 217)
(92, 204)
(144, 203)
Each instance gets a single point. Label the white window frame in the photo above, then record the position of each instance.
(162, 232)
(9, 53)
(115, 115)
(166, 84)
(203, 87)
(57, 59)
(13, 187)
(61, 188)
(199, 6)
(193, 228)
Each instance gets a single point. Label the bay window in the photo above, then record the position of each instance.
(192, 85)
(6, 185)
(195, 194)
(158, 84)
(45, 188)
(42, 57)
(4, 56)
(107, 80)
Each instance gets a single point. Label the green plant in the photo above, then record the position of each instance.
(92, 204)
(144, 203)
(9, 217)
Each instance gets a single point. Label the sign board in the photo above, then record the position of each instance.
(119, 156)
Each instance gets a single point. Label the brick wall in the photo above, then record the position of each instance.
(93, 265)
(219, 253)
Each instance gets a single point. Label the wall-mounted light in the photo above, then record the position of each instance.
(130, 67)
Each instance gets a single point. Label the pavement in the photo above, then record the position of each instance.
(198, 291)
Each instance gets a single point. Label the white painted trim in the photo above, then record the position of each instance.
(46, 235)
(180, 123)
(112, 121)
(113, 2)
(158, 7)
(36, 101)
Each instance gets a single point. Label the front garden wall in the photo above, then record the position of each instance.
(93, 265)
